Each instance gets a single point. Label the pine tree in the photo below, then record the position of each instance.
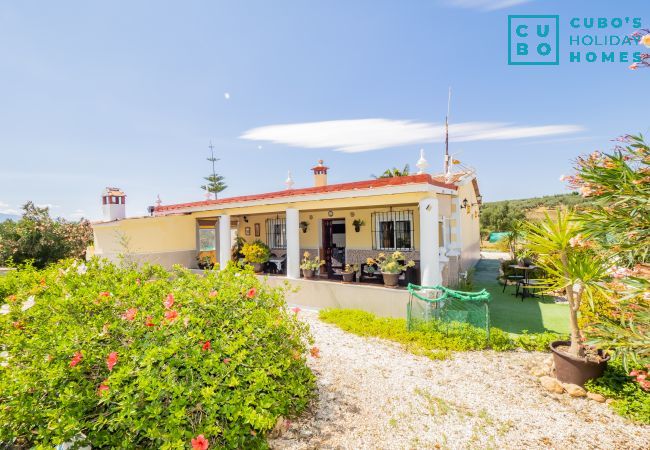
(215, 182)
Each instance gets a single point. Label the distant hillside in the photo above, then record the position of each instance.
(4, 217)
(547, 202)
(496, 216)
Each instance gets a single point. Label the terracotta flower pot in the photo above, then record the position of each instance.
(390, 279)
(258, 267)
(308, 273)
(347, 277)
(574, 369)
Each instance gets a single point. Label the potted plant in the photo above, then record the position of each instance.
(205, 262)
(256, 254)
(349, 272)
(303, 226)
(572, 266)
(357, 224)
(391, 266)
(310, 266)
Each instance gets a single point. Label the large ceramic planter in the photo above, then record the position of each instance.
(390, 279)
(347, 277)
(258, 267)
(573, 369)
(308, 273)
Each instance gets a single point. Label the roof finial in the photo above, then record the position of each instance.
(422, 163)
(289, 181)
(158, 201)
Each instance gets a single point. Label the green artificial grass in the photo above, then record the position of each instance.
(509, 313)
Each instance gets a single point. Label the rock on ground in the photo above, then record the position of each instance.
(374, 395)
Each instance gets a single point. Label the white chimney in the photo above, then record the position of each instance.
(113, 204)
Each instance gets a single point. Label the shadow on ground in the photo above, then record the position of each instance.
(513, 315)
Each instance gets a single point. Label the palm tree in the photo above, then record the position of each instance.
(394, 172)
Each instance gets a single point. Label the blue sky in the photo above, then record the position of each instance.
(129, 94)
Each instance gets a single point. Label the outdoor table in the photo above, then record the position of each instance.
(526, 280)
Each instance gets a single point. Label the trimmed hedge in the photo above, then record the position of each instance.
(146, 358)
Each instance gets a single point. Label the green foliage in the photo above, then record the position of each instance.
(629, 399)
(395, 172)
(217, 355)
(38, 238)
(617, 223)
(256, 252)
(432, 339)
(618, 184)
(568, 262)
(500, 216)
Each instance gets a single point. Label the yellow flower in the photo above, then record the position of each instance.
(370, 261)
(306, 254)
(645, 40)
(381, 256)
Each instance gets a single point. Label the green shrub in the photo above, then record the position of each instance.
(629, 399)
(217, 355)
(41, 239)
(433, 339)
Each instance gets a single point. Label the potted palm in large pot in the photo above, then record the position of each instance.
(391, 266)
(256, 253)
(573, 266)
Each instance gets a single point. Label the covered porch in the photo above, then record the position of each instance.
(339, 235)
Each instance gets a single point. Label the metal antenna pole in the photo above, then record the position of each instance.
(447, 132)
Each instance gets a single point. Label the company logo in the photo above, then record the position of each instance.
(534, 40)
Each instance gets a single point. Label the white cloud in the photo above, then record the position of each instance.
(486, 5)
(226, 95)
(361, 135)
(11, 211)
(48, 205)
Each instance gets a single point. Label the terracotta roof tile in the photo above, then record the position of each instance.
(367, 184)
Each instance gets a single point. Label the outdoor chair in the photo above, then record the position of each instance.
(517, 279)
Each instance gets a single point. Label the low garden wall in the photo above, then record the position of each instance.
(384, 302)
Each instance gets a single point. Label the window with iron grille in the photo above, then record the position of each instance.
(392, 230)
(276, 233)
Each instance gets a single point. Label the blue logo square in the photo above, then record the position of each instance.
(534, 40)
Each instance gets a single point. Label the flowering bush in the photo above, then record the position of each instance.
(643, 37)
(393, 263)
(256, 252)
(310, 264)
(38, 238)
(146, 358)
(616, 226)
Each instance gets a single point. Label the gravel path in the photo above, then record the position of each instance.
(374, 395)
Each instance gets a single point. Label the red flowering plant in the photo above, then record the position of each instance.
(159, 362)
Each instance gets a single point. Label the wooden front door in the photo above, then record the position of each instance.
(333, 244)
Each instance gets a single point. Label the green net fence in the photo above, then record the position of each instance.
(440, 307)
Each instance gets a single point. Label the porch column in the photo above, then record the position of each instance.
(429, 243)
(293, 243)
(224, 240)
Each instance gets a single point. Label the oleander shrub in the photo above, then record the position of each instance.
(117, 357)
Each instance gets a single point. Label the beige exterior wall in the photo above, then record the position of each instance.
(470, 228)
(173, 238)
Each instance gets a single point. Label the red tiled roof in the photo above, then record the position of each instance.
(368, 184)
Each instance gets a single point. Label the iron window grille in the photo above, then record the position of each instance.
(392, 230)
(276, 233)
